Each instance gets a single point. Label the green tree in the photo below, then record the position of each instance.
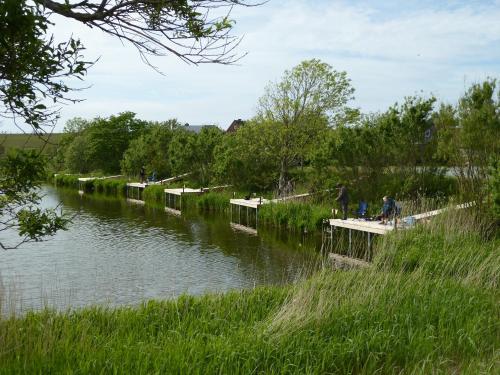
(151, 149)
(246, 159)
(469, 136)
(99, 145)
(299, 108)
(34, 68)
(21, 175)
(195, 153)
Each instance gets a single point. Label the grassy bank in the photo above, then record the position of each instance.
(439, 315)
(46, 144)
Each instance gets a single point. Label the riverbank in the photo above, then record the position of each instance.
(429, 304)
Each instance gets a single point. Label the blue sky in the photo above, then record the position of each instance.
(390, 49)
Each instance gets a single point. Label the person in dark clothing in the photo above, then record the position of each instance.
(388, 208)
(142, 174)
(343, 199)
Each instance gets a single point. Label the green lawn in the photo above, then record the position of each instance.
(46, 143)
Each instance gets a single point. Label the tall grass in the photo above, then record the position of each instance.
(66, 180)
(212, 201)
(109, 187)
(294, 215)
(154, 194)
(439, 315)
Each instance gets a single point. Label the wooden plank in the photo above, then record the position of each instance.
(180, 191)
(137, 185)
(252, 203)
(362, 226)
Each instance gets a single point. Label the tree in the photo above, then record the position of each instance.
(195, 153)
(21, 175)
(151, 149)
(99, 145)
(33, 67)
(246, 159)
(469, 136)
(300, 107)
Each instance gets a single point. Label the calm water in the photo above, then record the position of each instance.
(117, 253)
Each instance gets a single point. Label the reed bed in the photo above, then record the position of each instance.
(298, 216)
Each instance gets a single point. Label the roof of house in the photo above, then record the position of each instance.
(235, 125)
(195, 128)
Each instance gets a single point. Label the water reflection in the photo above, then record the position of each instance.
(119, 253)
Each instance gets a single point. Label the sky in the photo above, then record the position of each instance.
(390, 49)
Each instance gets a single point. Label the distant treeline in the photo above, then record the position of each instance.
(305, 137)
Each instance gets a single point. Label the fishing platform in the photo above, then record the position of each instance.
(135, 192)
(244, 213)
(173, 198)
(372, 228)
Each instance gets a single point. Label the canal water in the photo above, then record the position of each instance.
(117, 253)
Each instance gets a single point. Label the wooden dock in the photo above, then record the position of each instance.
(135, 191)
(244, 213)
(173, 198)
(375, 227)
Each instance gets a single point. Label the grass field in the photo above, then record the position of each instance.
(415, 311)
(46, 143)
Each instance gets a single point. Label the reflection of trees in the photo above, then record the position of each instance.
(273, 255)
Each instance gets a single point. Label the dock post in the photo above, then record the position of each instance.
(331, 238)
(239, 214)
(230, 212)
(256, 216)
(248, 223)
(350, 241)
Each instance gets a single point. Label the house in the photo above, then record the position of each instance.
(235, 125)
(195, 128)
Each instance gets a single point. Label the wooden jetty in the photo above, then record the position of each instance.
(135, 191)
(245, 212)
(173, 198)
(376, 228)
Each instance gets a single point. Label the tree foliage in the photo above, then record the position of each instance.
(299, 108)
(195, 31)
(21, 175)
(195, 153)
(33, 67)
(151, 150)
(469, 136)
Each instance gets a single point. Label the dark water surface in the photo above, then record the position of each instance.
(118, 253)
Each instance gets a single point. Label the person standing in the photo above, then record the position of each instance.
(142, 174)
(343, 199)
